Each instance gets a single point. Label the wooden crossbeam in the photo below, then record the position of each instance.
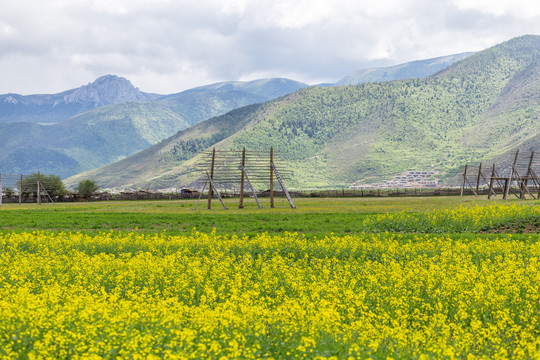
(200, 195)
(283, 186)
(46, 193)
(509, 184)
(216, 190)
(252, 188)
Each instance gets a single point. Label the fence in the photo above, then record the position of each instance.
(27, 188)
(386, 192)
(521, 178)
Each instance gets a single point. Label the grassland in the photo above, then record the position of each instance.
(312, 216)
(379, 278)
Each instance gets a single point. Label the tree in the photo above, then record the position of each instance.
(9, 192)
(87, 188)
(51, 183)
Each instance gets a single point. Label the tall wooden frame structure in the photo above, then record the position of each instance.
(229, 168)
(524, 172)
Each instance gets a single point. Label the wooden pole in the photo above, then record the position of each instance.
(528, 175)
(283, 187)
(38, 189)
(464, 179)
(272, 177)
(20, 191)
(478, 179)
(241, 203)
(509, 184)
(210, 187)
(491, 182)
(217, 192)
(535, 177)
(0, 189)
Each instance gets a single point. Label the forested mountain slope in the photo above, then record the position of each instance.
(479, 109)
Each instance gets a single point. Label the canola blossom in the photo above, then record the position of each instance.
(370, 295)
(458, 220)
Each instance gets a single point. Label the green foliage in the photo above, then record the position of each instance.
(9, 192)
(51, 183)
(87, 188)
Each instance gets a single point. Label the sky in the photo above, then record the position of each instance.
(166, 46)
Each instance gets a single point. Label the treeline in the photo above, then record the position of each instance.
(47, 187)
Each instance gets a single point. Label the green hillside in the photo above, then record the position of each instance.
(86, 141)
(478, 109)
(162, 160)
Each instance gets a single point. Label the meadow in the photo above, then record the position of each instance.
(379, 278)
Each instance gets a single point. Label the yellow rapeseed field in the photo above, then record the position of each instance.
(371, 295)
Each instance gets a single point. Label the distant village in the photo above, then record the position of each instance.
(408, 179)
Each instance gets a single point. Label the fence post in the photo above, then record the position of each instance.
(507, 189)
(478, 178)
(464, 179)
(20, 191)
(0, 189)
(271, 177)
(38, 190)
(241, 201)
(211, 178)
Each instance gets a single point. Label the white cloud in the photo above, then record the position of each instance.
(169, 45)
(234, 6)
(298, 14)
(525, 9)
(6, 30)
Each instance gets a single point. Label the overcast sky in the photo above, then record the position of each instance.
(165, 46)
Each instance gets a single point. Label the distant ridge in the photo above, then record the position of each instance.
(266, 88)
(53, 108)
(410, 70)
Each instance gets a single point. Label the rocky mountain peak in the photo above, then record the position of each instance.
(106, 90)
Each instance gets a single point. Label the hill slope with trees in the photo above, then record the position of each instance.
(480, 108)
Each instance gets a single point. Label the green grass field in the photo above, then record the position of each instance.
(316, 216)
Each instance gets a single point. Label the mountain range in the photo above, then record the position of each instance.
(480, 108)
(109, 119)
(49, 109)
